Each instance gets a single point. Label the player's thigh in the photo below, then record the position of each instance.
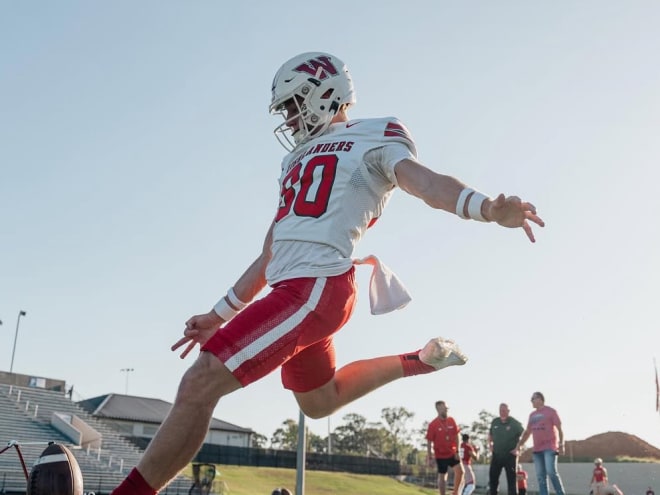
(297, 314)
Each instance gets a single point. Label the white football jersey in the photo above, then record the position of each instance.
(331, 190)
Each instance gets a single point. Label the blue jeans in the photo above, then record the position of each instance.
(545, 464)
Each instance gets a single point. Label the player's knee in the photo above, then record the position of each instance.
(201, 384)
(189, 388)
(320, 402)
(317, 406)
(315, 411)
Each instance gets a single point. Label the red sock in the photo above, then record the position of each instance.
(412, 365)
(134, 484)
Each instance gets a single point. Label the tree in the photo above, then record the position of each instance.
(258, 441)
(479, 433)
(349, 437)
(375, 440)
(286, 437)
(358, 437)
(396, 419)
(316, 443)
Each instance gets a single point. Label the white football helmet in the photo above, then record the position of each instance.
(318, 84)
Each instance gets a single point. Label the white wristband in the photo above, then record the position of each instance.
(224, 310)
(474, 206)
(229, 306)
(460, 204)
(234, 300)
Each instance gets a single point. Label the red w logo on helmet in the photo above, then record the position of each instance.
(320, 67)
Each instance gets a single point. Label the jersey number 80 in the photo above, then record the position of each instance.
(308, 189)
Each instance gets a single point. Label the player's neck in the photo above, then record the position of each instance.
(342, 116)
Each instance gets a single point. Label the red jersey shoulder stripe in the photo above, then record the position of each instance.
(397, 129)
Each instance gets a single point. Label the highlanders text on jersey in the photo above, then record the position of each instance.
(331, 190)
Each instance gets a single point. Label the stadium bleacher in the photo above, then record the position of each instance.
(25, 417)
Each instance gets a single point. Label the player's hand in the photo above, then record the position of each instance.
(512, 212)
(198, 330)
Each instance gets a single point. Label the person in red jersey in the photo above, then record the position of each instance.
(443, 439)
(599, 477)
(521, 479)
(335, 182)
(468, 453)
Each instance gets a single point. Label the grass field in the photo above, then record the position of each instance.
(261, 481)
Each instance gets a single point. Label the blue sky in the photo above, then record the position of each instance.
(138, 176)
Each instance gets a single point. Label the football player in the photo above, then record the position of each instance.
(336, 178)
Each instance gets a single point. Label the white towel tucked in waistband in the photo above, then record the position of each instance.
(386, 291)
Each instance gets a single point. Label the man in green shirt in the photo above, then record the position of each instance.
(503, 439)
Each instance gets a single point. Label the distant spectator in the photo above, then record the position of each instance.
(503, 438)
(468, 452)
(281, 491)
(599, 477)
(650, 491)
(442, 443)
(521, 478)
(545, 427)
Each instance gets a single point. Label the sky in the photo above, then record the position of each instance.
(138, 176)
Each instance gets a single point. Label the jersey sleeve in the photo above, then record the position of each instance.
(383, 159)
(392, 144)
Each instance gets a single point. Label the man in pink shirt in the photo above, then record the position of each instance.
(544, 426)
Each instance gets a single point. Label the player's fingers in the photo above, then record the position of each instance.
(179, 343)
(528, 230)
(535, 218)
(190, 347)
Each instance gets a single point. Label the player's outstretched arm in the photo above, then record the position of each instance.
(450, 194)
(200, 328)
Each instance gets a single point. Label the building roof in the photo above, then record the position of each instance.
(141, 409)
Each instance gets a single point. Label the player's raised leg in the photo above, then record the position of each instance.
(361, 377)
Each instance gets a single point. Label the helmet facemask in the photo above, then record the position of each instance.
(301, 122)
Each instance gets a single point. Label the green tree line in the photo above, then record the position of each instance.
(393, 437)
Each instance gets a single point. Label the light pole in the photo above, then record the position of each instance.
(127, 371)
(18, 320)
(301, 455)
